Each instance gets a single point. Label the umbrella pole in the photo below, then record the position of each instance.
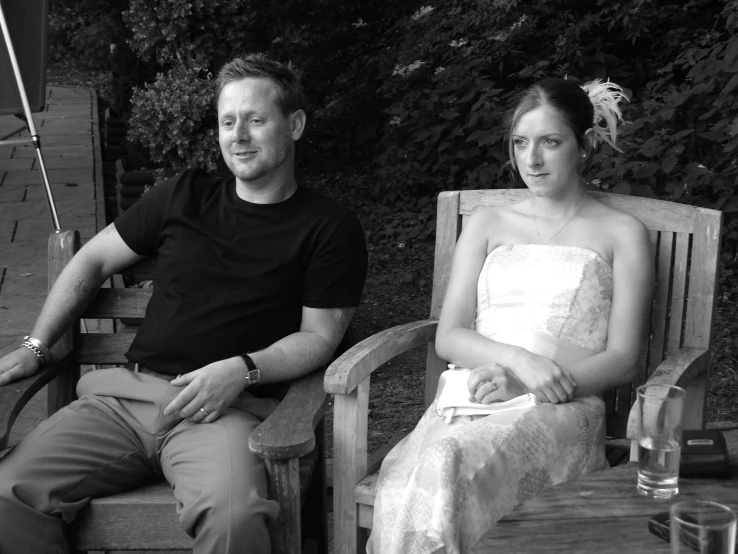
(29, 121)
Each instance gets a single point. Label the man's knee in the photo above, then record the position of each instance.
(7, 494)
(19, 513)
(230, 512)
(11, 481)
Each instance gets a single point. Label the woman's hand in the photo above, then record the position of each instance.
(543, 377)
(493, 383)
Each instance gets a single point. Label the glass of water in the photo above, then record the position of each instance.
(702, 526)
(659, 439)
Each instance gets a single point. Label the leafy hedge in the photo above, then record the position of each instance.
(174, 119)
(83, 30)
(421, 90)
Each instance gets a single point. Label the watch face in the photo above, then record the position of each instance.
(254, 376)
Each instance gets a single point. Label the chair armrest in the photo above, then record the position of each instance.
(358, 362)
(678, 369)
(289, 432)
(15, 395)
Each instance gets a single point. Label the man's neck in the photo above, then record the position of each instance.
(265, 193)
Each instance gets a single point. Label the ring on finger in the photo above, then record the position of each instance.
(206, 413)
(491, 381)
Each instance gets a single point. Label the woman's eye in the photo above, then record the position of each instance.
(519, 142)
(551, 142)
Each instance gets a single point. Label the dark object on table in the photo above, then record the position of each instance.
(704, 454)
(659, 526)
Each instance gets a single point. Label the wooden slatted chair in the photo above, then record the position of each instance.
(290, 441)
(686, 241)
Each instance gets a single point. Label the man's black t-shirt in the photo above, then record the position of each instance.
(233, 276)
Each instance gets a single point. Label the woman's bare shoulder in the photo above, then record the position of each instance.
(615, 216)
(622, 227)
(494, 219)
(486, 215)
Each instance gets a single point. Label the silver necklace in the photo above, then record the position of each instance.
(582, 202)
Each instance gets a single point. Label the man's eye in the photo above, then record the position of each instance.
(256, 121)
(226, 123)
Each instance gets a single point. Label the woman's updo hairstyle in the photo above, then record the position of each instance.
(580, 107)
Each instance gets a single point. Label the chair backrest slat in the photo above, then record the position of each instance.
(678, 292)
(448, 229)
(686, 241)
(702, 278)
(657, 215)
(119, 303)
(103, 348)
(660, 311)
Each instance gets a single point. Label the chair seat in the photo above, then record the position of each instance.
(144, 518)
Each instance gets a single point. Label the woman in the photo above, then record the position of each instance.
(547, 296)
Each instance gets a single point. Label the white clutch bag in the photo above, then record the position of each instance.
(453, 399)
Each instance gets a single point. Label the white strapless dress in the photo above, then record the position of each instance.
(445, 484)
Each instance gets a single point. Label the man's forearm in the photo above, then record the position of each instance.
(291, 357)
(72, 292)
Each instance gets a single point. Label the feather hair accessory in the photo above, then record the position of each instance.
(607, 115)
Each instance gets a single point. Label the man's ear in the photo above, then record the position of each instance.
(298, 120)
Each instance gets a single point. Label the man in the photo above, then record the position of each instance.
(256, 282)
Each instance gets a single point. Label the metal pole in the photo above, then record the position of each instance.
(29, 120)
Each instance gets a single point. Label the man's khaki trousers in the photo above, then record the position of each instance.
(115, 438)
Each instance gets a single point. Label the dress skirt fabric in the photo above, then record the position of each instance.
(445, 484)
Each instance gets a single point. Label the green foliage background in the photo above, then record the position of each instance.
(418, 91)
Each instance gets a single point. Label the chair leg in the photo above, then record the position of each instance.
(693, 415)
(284, 480)
(349, 465)
(315, 506)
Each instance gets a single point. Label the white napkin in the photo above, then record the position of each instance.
(453, 399)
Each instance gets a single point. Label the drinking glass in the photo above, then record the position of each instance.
(702, 526)
(659, 439)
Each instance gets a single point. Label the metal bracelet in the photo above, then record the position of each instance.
(37, 347)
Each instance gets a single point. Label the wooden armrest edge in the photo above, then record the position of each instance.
(358, 362)
(678, 369)
(289, 432)
(14, 396)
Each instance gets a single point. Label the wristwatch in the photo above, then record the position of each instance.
(253, 375)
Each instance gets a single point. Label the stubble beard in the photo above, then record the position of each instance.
(260, 166)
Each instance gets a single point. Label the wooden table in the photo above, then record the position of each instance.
(601, 513)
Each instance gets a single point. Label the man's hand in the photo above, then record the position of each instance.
(208, 391)
(18, 364)
(493, 383)
(543, 377)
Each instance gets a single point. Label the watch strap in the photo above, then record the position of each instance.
(253, 375)
(248, 361)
